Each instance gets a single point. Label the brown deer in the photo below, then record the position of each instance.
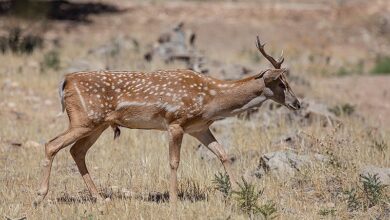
(177, 101)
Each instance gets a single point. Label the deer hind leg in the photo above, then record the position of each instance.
(51, 149)
(78, 152)
(175, 138)
(207, 139)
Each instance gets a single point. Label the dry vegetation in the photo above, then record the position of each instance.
(318, 38)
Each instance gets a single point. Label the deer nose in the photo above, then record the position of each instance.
(297, 104)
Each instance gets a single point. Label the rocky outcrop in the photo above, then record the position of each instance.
(284, 164)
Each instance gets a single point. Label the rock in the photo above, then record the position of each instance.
(294, 140)
(223, 70)
(175, 44)
(311, 111)
(178, 44)
(290, 140)
(284, 163)
(383, 173)
(9, 84)
(32, 144)
(48, 102)
(115, 46)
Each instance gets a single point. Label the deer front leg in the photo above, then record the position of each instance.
(207, 139)
(175, 133)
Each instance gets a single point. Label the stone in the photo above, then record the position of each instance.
(32, 144)
(284, 163)
(115, 46)
(382, 173)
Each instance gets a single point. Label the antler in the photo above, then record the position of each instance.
(275, 63)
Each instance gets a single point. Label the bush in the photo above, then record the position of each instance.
(51, 60)
(344, 109)
(17, 42)
(246, 197)
(373, 189)
(382, 66)
(222, 184)
(369, 194)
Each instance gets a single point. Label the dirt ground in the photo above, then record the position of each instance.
(318, 38)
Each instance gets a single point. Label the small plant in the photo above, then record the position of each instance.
(247, 197)
(17, 42)
(373, 189)
(352, 199)
(344, 109)
(268, 210)
(327, 212)
(222, 184)
(369, 194)
(51, 60)
(382, 65)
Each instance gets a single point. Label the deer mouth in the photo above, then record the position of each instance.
(292, 107)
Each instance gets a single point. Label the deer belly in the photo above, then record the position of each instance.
(140, 118)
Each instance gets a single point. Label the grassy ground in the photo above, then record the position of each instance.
(134, 170)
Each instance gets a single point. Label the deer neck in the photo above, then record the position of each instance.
(238, 97)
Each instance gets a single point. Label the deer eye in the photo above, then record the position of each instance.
(281, 85)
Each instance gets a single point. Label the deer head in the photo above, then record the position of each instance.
(276, 85)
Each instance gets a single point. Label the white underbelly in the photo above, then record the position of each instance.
(143, 123)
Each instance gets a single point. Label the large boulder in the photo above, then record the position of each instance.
(175, 44)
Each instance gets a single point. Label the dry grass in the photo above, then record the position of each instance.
(133, 171)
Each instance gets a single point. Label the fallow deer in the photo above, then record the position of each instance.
(176, 101)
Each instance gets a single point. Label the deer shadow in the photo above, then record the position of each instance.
(163, 197)
(158, 197)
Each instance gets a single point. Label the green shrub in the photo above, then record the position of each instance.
(17, 42)
(373, 189)
(51, 60)
(247, 197)
(370, 192)
(268, 210)
(326, 212)
(343, 109)
(353, 202)
(222, 184)
(382, 65)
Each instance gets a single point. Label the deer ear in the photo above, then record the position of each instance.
(272, 74)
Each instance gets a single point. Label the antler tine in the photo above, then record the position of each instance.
(281, 58)
(276, 64)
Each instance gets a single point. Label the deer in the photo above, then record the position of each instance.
(176, 101)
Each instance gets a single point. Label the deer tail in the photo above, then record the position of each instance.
(61, 88)
(117, 131)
